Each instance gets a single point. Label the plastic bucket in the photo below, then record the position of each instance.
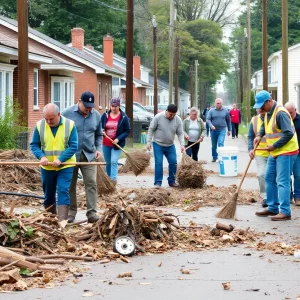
(228, 161)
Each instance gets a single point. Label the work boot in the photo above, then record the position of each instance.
(297, 202)
(62, 211)
(51, 210)
(93, 218)
(71, 219)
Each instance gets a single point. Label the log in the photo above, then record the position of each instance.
(73, 257)
(7, 254)
(227, 228)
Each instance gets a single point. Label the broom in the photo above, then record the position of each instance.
(138, 160)
(228, 211)
(105, 185)
(186, 159)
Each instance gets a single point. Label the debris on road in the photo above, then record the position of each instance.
(191, 175)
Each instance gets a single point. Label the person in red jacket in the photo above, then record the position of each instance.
(236, 119)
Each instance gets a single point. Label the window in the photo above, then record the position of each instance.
(35, 88)
(106, 96)
(6, 84)
(62, 91)
(100, 94)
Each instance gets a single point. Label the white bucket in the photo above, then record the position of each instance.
(228, 161)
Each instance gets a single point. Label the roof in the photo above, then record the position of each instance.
(98, 55)
(165, 85)
(275, 54)
(37, 55)
(73, 53)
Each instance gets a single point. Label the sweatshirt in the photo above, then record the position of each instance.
(219, 118)
(162, 130)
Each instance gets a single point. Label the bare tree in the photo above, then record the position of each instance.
(219, 11)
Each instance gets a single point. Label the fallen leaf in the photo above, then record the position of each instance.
(226, 285)
(183, 271)
(124, 259)
(159, 265)
(63, 223)
(127, 274)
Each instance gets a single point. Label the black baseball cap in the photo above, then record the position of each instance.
(88, 99)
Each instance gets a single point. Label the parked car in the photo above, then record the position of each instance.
(149, 108)
(162, 107)
(140, 115)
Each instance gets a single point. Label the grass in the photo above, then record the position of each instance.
(136, 146)
(243, 129)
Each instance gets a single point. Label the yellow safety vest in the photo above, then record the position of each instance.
(256, 124)
(273, 134)
(52, 146)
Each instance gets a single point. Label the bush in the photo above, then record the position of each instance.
(11, 125)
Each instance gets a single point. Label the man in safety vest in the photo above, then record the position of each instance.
(283, 147)
(261, 156)
(291, 108)
(55, 141)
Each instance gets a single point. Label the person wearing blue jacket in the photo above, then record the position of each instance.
(116, 127)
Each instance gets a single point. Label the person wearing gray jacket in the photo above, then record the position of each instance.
(194, 131)
(88, 125)
(161, 135)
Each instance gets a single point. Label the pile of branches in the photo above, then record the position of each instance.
(136, 222)
(191, 175)
(17, 177)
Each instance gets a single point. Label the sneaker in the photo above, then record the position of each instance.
(157, 186)
(93, 218)
(175, 185)
(233, 137)
(297, 202)
(214, 160)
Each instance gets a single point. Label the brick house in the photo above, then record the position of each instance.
(57, 73)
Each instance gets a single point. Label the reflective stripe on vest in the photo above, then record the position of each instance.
(256, 124)
(61, 140)
(273, 134)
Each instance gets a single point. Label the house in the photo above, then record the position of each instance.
(163, 96)
(275, 76)
(57, 73)
(140, 73)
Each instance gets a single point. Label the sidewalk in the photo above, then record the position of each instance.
(204, 154)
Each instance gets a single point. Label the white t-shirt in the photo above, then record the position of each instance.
(193, 131)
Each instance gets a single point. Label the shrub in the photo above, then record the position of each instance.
(11, 125)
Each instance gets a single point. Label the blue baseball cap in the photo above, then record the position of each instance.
(88, 99)
(260, 98)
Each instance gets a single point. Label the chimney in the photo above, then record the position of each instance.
(137, 67)
(108, 50)
(77, 38)
(89, 46)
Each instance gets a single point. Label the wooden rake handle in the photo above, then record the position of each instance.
(37, 163)
(190, 146)
(113, 143)
(245, 172)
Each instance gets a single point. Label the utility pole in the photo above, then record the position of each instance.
(285, 58)
(191, 86)
(242, 67)
(171, 45)
(23, 84)
(177, 71)
(196, 84)
(154, 24)
(249, 62)
(129, 68)
(265, 45)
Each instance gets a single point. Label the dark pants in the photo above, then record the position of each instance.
(235, 129)
(207, 129)
(193, 151)
(57, 180)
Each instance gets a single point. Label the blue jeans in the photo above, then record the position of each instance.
(57, 180)
(278, 186)
(170, 154)
(296, 173)
(111, 157)
(217, 139)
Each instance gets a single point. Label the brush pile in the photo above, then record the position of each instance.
(154, 197)
(19, 178)
(191, 175)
